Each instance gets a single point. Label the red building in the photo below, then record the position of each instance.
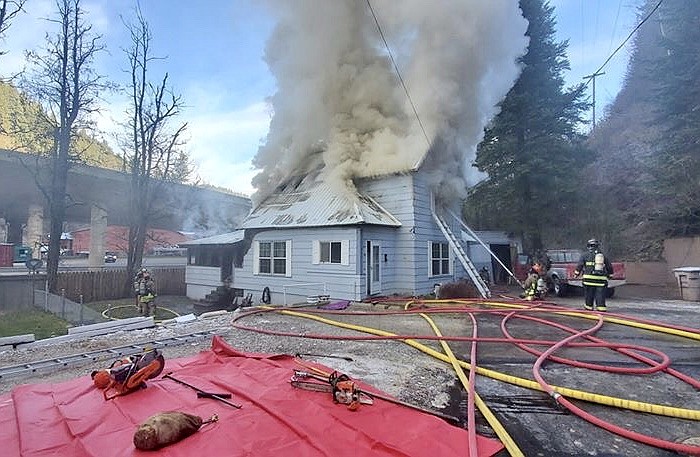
(116, 239)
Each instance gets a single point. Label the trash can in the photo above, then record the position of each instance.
(688, 279)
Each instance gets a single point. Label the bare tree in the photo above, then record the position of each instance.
(64, 82)
(154, 154)
(8, 10)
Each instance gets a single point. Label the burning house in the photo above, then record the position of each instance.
(368, 149)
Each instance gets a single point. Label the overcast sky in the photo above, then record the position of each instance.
(214, 57)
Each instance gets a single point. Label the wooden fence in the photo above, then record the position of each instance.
(110, 284)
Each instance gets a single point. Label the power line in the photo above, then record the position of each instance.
(396, 68)
(627, 39)
(614, 29)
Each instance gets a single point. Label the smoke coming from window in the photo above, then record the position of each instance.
(339, 100)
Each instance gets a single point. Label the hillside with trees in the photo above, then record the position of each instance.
(23, 129)
(635, 180)
(648, 168)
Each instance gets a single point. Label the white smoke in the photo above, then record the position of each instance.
(339, 95)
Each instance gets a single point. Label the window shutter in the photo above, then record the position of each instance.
(256, 258)
(345, 252)
(430, 258)
(288, 254)
(316, 252)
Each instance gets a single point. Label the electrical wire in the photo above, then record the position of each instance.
(626, 39)
(398, 73)
(617, 17)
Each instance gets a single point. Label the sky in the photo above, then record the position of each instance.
(213, 52)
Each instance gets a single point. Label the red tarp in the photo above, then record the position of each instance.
(72, 419)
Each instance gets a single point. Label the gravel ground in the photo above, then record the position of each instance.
(402, 371)
(389, 366)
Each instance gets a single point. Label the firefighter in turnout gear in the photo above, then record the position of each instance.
(534, 283)
(145, 289)
(596, 269)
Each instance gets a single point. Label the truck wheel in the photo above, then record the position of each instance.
(609, 292)
(559, 288)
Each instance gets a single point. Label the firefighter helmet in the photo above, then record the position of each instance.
(592, 244)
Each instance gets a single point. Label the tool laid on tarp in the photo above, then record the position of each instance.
(166, 428)
(203, 394)
(128, 374)
(322, 383)
(343, 389)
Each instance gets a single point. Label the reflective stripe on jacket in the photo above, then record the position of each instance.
(595, 280)
(592, 277)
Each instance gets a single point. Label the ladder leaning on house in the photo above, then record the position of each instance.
(461, 253)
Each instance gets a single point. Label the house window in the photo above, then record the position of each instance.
(273, 258)
(439, 259)
(330, 252)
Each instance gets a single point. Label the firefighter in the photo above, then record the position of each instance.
(532, 292)
(145, 289)
(596, 269)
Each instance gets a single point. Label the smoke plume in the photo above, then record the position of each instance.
(340, 100)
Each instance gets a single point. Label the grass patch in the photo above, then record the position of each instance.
(39, 322)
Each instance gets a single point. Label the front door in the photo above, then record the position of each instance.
(374, 283)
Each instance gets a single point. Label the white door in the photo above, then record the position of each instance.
(374, 277)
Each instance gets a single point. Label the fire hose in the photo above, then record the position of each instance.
(375, 334)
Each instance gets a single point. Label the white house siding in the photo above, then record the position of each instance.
(407, 197)
(341, 281)
(427, 231)
(392, 272)
(201, 280)
(396, 195)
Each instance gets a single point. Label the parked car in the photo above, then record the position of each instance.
(110, 257)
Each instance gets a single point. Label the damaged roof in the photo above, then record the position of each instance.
(305, 201)
(224, 238)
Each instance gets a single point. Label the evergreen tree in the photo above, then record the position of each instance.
(531, 151)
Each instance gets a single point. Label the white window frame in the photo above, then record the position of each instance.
(317, 249)
(441, 259)
(287, 258)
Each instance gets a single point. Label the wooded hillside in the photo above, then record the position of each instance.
(648, 146)
(22, 129)
(635, 180)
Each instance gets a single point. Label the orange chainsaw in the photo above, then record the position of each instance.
(129, 374)
(342, 388)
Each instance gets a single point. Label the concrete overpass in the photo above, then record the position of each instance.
(100, 197)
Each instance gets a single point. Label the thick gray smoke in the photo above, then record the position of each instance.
(339, 96)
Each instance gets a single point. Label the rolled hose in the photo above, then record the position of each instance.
(555, 391)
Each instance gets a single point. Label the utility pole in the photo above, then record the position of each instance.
(593, 77)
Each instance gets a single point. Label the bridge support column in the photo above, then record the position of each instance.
(33, 234)
(98, 230)
(3, 230)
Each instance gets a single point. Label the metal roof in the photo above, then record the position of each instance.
(310, 202)
(224, 238)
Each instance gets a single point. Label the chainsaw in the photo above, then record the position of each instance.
(348, 392)
(343, 389)
(129, 374)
